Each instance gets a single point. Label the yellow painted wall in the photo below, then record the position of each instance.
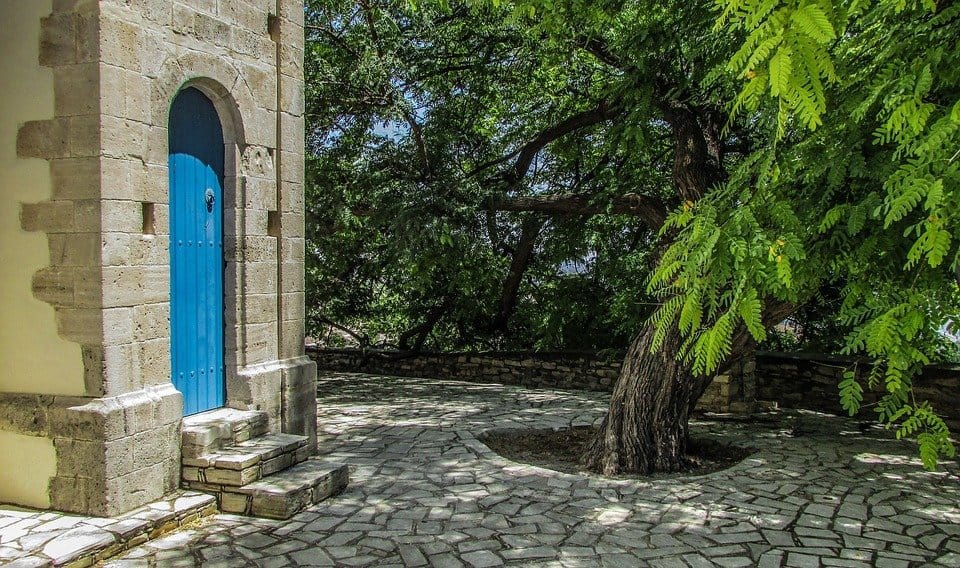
(33, 358)
(26, 465)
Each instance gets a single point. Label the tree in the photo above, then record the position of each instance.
(776, 147)
(497, 243)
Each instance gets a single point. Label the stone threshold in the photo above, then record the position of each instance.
(35, 539)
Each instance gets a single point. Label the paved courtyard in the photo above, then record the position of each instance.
(424, 492)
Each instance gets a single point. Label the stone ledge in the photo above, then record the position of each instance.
(46, 538)
(287, 493)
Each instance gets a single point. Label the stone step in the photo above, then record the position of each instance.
(285, 494)
(209, 431)
(244, 462)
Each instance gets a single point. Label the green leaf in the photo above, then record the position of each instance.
(851, 393)
(750, 310)
(781, 68)
(813, 21)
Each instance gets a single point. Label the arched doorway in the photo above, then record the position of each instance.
(196, 168)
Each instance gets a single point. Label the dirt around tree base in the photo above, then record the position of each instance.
(561, 450)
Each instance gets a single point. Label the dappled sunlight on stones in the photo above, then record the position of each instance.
(428, 493)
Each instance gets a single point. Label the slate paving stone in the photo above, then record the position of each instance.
(426, 492)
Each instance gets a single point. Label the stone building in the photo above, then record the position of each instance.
(151, 228)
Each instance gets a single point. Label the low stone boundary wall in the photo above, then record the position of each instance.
(573, 371)
(793, 380)
(582, 371)
(809, 380)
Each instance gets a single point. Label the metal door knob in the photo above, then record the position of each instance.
(209, 198)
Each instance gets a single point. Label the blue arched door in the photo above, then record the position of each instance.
(196, 251)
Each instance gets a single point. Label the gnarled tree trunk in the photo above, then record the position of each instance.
(645, 429)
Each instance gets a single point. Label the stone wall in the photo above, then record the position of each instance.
(729, 392)
(791, 380)
(535, 370)
(805, 380)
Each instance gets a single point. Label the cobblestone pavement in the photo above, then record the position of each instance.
(425, 492)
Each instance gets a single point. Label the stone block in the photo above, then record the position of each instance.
(293, 225)
(261, 127)
(58, 33)
(159, 12)
(48, 216)
(279, 506)
(231, 477)
(80, 458)
(118, 177)
(246, 222)
(257, 162)
(234, 503)
(291, 129)
(299, 401)
(119, 374)
(248, 43)
(190, 473)
(77, 90)
(257, 309)
(293, 306)
(292, 341)
(293, 202)
(279, 463)
(88, 34)
(119, 44)
(127, 139)
(207, 6)
(262, 82)
(75, 178)
(256, 387)
(294, 249)
(181, 21)
(150, 183)
(292, 11)
(258, 249)
(153, 51)
(152, 361)
(149, 448)
(151, 321)
(43, 139)
(86, 217)
(134, 285)
(258, 193)
(292, 102)
(121, 216)
(259, 344)
(125, 249)
(72, 494)
(25, 413)
(293, 166)
(93, 368)
(83, 135)
(259, 278)
(54, 285)
(79, 325)
(137, 488)
(117, 458)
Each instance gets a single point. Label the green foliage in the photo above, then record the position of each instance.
(862, 100)
(851, 393)
(397, 221)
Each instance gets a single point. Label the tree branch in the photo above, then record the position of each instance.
(523, 254)
(602, 112)
(650, 209)
(362, 339)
